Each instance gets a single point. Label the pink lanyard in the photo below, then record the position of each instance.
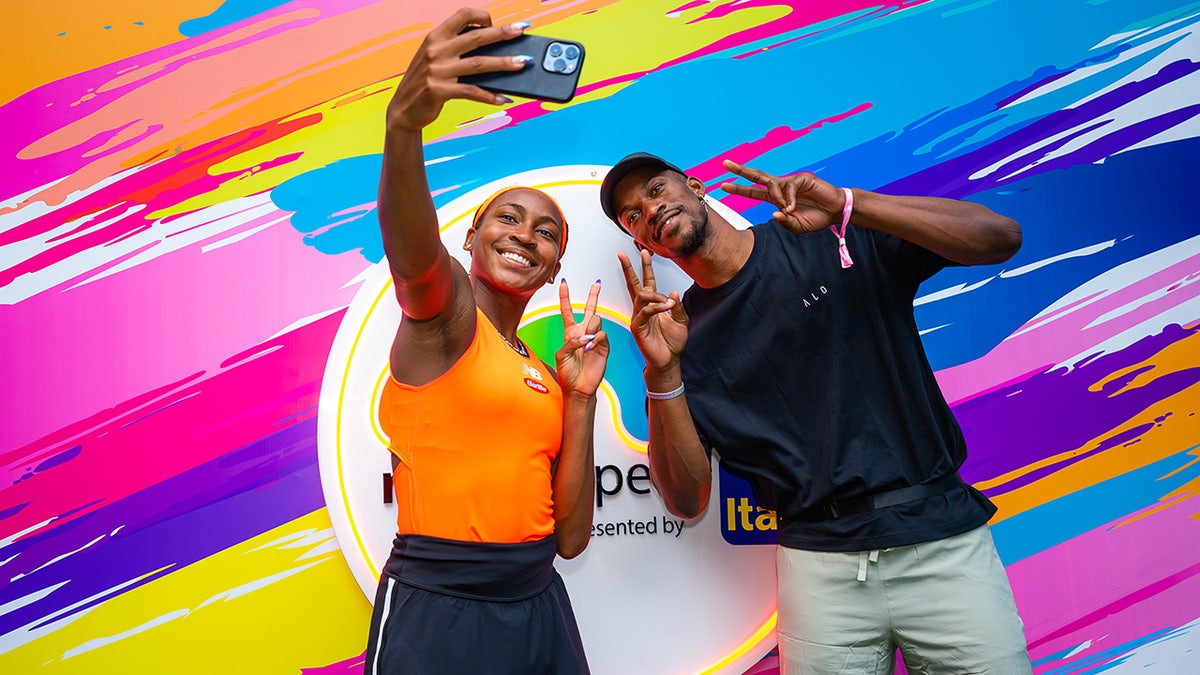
(844, 252)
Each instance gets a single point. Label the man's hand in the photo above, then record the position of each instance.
(806, 203)
(659, 323)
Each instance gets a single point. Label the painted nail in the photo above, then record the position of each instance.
(522, 59)
(521, 25)
(597, 281)
(589, 336)
(503, 100)
(564, 280)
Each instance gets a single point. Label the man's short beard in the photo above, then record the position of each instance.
(696, 237)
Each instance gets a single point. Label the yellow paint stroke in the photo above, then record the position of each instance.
(352, 124)
(279, 602)
(1176, 426)
(215, 87)
(341, 70)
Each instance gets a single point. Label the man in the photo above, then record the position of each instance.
(796, 356)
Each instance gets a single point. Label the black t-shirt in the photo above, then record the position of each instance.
(811, 381)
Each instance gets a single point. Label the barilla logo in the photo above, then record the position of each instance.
(743, 522)
(533, 379)
(536, 386)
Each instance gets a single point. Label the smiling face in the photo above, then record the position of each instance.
(516, 242)
(663, 211)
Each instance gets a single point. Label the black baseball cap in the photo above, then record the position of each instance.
(628, 164)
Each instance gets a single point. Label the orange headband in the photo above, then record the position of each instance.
(562, 247)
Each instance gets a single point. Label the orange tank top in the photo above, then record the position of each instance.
(476, 445)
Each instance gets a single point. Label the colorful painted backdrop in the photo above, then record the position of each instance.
(187, 208)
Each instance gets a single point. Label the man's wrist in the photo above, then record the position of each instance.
(665, 379)
(664, 395)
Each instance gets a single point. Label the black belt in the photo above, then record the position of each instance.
(845, 507)
(472, 569)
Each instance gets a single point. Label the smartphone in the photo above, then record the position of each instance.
(551, 76)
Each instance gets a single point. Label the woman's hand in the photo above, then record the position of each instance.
(580, 362)
(432, 76)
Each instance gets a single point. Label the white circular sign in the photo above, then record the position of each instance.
(653, 594)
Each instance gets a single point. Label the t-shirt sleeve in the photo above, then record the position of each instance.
(905, 262)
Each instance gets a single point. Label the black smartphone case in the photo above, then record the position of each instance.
(535, 80)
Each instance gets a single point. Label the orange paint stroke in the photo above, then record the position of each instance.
(1171, 424)
(266, 70)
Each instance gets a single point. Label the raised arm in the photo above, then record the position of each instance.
(580, 365)
(421, 267)
(961, 231)
(965, 232)
(680, 468)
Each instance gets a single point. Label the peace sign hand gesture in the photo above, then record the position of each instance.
(806, 203)
(581, 361)
(659, 322)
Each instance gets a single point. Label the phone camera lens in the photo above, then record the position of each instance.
(555, 50)
(560, 65)
(572, 52)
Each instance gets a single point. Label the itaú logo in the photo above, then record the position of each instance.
(653, 594)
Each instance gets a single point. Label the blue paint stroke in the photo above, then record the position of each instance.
(1046, 526)
(230, 12)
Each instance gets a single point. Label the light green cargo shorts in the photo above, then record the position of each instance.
(946, 605)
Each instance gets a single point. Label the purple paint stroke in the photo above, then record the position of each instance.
(64, 456)
(58, 458)
(1126, 437)
(171, 524)
(13, 510)
(1035, 157)
(225, 476)
(1057, 411)
(1054, 76)
(1100, 149)
(29, 453)
(953, 177)
(178, 439)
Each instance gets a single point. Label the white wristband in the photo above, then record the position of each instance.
(662, 396)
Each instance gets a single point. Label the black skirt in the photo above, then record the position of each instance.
(447, 607)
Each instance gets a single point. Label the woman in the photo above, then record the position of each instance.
(492, 449)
